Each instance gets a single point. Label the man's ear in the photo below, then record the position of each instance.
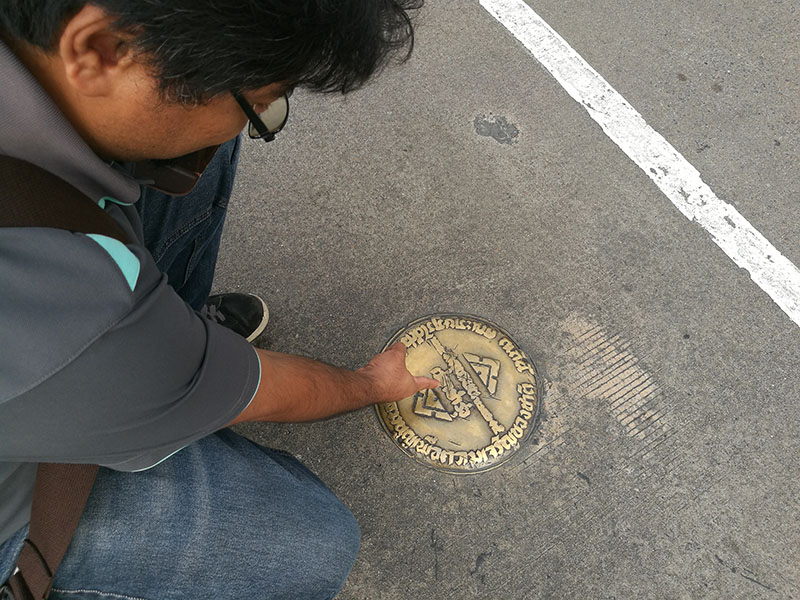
(94, 56)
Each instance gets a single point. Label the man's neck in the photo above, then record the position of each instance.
(48, 71)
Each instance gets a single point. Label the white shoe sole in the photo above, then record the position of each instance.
(261, 326)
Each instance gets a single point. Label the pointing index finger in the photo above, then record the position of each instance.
(425, 383)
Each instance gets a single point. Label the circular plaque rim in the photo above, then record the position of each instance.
(534, 420)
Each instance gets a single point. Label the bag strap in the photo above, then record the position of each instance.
(59, 496)
(33, 197)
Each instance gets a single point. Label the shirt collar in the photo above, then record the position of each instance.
(33, 128)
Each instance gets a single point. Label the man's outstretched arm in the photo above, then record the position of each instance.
(294, 388)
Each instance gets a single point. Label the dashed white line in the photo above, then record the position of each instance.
(671, 172)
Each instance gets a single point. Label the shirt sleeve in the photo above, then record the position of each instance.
(109, 365)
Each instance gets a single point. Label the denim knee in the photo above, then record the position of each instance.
(223, 518)
(326, 558)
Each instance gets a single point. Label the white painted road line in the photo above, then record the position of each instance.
(671, 172)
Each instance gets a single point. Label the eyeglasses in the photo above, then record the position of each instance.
(264, 126)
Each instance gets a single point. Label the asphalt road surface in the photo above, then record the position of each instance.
(667, 462)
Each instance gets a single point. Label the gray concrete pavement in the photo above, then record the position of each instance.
(390, 204)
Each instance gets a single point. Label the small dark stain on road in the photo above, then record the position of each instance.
(682, 77)
(730, 222)
(717, 87)
(478, 570)
(584, 477)
(496, 127)
(479, 560)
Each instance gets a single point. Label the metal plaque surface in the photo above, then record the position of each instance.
(487, 403)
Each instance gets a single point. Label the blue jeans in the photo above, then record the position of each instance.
(183, 233)
(224, 517)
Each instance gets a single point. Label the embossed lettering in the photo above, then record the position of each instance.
(476, 380)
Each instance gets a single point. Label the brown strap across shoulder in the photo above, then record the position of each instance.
(33, 197)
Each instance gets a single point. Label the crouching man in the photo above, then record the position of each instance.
(113, 353)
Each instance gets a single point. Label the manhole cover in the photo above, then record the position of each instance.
(487, 403)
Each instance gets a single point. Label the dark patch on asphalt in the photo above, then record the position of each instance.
(584, 477)
(478, 572)
(496, 127)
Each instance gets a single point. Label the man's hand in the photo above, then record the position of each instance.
(390, 378)
(296, 389)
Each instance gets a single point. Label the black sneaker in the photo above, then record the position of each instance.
(245, 314)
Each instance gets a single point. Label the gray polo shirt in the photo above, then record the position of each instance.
(100, 360)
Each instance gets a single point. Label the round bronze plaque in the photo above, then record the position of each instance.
(487, 403)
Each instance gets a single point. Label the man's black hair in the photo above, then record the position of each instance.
(200, 48)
